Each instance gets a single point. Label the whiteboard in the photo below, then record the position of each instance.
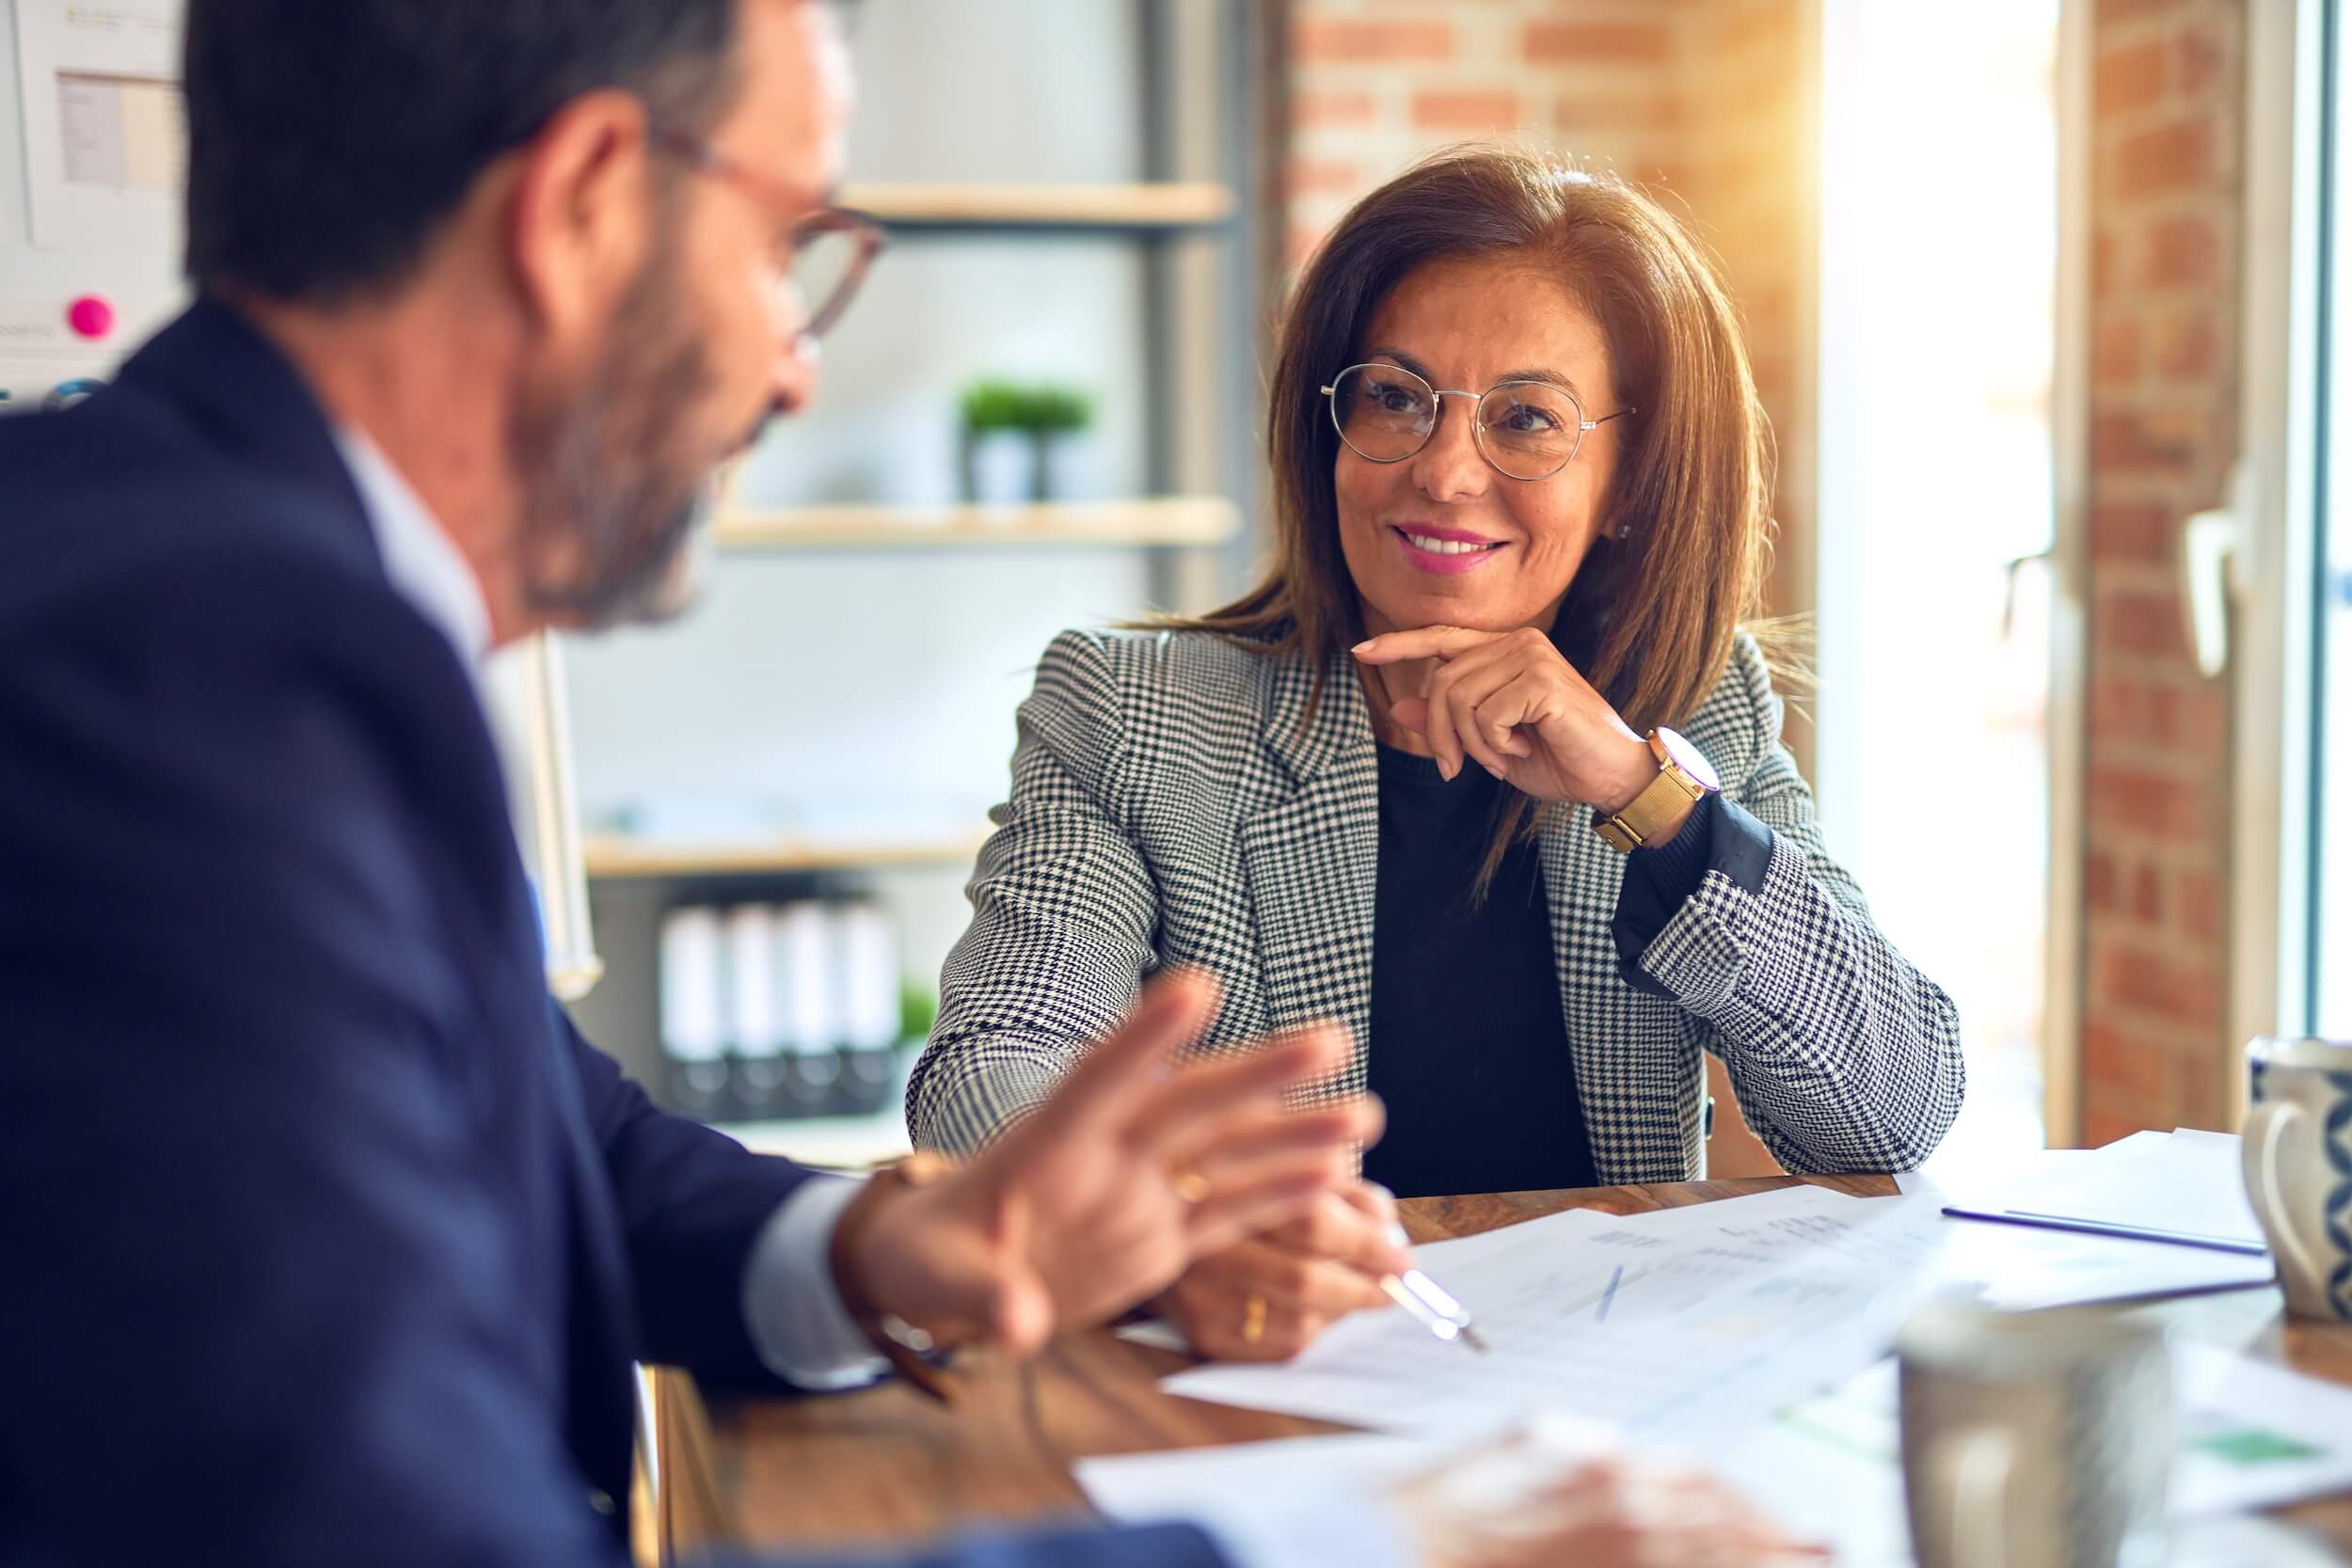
(105, 140)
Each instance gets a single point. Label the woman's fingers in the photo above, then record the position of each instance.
(1377, 1201)
(1518, 699)
(1344, 1228)
(1256, 1301)
(1397, 647)
(1261, 1267)
(1458, 716)
(1226, 1328)
(1461, 691)
(1438, 730)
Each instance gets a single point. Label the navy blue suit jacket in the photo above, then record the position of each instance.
(322, 1238)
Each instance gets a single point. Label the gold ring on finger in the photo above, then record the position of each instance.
(1191, 1184)
(1253, 1319)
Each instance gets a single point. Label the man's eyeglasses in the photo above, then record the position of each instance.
(830, 247)
(1523, 429)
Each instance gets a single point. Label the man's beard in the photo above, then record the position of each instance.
(610, 503)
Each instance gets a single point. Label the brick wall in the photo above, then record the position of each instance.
(1745, 69)
(1375, 83)
(2167, 202)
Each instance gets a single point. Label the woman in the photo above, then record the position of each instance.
(1485, 768)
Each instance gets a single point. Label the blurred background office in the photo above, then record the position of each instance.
(2027, 281)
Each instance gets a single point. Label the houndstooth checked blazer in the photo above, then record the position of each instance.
(1167, 808)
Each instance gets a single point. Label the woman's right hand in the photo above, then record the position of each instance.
(1267, 1298)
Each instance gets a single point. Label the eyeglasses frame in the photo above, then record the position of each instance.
(865, 231)
(1478, 428)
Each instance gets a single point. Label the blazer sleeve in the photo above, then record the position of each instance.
(692, 1202)
(254, 1280)
(1064, 916)
(1843, 1055)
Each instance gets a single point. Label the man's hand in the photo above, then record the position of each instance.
(1266, 1298)
(1105, 1193)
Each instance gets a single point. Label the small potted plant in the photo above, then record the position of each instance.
(999, 454)
(1059, 418)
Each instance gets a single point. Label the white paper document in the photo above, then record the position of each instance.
(2021, 1267)
(2185, 1189)
(1187, 1484)
(1828, 1473)
(1967, 1177)
(2256, 1436)
(1679, 1324)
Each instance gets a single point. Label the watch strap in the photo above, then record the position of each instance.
(1644, 817)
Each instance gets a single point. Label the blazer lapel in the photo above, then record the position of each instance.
(1312, 855)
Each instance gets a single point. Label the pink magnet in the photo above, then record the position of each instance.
(91, 316)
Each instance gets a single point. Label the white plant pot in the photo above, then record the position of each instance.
(1072, 467)
(999, 468)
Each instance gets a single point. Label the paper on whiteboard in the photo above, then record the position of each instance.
(105, 145)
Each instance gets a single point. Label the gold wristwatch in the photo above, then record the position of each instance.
(1683, 778)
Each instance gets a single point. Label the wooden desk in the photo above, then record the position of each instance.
(885, 1464)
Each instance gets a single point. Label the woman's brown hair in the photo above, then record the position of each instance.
(1651, 615)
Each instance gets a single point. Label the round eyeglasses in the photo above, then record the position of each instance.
(1523, 429)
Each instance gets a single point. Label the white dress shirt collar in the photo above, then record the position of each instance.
(422, 561)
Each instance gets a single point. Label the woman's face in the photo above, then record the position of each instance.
(1468, 324)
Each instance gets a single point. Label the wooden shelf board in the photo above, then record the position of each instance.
(612, 856)
(1012, 206)
(1175, 520)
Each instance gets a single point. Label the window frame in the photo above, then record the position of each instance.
(2284, 407)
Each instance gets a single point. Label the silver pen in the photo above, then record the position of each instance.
(1433, 1307)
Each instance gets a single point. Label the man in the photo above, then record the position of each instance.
(326, 1240)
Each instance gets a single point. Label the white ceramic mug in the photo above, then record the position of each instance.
(2298, 1167)
(2034, 1439)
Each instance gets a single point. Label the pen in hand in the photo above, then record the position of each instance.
(1431, 1304)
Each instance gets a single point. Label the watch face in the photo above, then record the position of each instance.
(1686, 756)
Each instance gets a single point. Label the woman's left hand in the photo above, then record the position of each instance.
(1508, 702)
